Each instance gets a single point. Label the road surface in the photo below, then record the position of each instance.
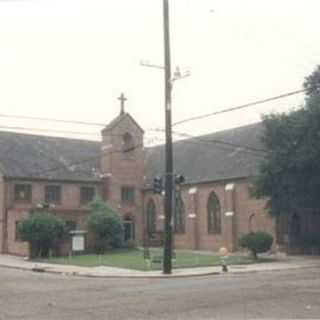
(271, 295)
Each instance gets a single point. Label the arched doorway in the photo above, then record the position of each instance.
(129, 228)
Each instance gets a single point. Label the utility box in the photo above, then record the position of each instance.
(78, 240)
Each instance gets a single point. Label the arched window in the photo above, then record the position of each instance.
(151, 217)
(127, 144)
(214, 214)
(179, 216)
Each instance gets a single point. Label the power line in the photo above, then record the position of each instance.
(52, 120)
(151, 139)
(225, 143)
(192, 139)
(47, 130)
(63, 131)
(97, 124)
(245, 148)
(239, 107)
(75, 163)
(234, 146)
(225, 148)
(202, 142)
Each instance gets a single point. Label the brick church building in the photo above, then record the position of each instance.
(213, 210)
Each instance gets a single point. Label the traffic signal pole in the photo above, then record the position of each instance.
(167, 257)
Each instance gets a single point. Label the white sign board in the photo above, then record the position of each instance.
(78, 242)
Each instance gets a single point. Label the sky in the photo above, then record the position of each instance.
(71, 59)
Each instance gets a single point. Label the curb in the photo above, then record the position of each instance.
(86, 275)
(38, 269)
(149, 277)
(275, 270)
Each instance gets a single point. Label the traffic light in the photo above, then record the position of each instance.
(157, 185)
(179, 179)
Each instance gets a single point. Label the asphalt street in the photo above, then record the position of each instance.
(270, 295)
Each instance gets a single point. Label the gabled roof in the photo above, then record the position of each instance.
(116, 121)
(208, 160)
(32, 156)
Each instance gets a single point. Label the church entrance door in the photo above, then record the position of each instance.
(129, 229)
(295, 231)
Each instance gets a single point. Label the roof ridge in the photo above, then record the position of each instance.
(119, 118)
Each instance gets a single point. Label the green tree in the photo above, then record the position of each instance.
(290, 174)
(257, 242)
(106, 225)
(42, 230)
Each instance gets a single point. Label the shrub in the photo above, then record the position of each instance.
(41, 230)
(257, 242)
(106, 225)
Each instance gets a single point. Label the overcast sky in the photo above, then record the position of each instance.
(70, 59)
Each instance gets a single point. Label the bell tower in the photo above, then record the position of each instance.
(122, 167)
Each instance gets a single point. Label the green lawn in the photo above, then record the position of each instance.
(134, 259)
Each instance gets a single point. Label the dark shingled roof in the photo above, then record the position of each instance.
(211, 161)
(32, 156)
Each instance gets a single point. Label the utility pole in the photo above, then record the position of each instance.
(167, 261)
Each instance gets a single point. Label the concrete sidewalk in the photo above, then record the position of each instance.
(111, 272)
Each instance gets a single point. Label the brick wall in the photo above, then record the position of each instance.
(243, 214)
(69, 209)
(249, 213)
(124, 169)
(16, 246)
(2, 216)
(70, 193)
(252, 215)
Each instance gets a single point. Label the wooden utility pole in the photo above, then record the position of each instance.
(167, 260)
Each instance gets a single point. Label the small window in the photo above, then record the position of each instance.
(87, 195)
(18, 237)
(22, 193)
(53, 194)
(128, 195)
